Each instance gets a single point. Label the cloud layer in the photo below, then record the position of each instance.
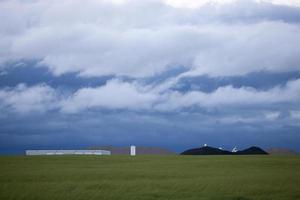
(168, 72)
(117, 94)
(97, 38)
(23, 99)
(124, 38)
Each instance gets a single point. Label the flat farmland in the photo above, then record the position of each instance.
(150, 177)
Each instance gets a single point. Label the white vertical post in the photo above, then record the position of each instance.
(132, 150)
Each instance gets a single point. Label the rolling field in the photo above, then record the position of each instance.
(150, 177)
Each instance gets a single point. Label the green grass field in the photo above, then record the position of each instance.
(150, 177)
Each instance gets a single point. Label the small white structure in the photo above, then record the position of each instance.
(132, 150)
(234, 150)
(67, 152)
(205, 145)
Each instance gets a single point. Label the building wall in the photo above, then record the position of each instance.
(67, 152)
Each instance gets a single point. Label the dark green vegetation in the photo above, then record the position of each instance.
(150, 177)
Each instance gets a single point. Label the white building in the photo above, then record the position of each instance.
(67, 152)
(132, 150)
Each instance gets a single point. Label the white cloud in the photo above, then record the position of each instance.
(295, 114)
(271, 115)
(125, 37)
(194, 4)
(121, 95)
(239, 119)
(117, 94)
(283, 2)
(250, 48)
(114, 95)
(235, 97)
(23, 99)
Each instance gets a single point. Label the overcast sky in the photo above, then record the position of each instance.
(167, 73)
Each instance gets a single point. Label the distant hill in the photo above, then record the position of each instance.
(252, 151)
(281, 151)
(206, 150)
(139, 150)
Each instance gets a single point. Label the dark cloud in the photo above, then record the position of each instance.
(176, 131)
(29, 73)
(100, 72)
(248, 11)
(258, 80)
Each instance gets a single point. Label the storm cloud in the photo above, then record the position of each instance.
(178, 68)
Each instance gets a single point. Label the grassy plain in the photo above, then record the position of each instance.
(149, 177)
